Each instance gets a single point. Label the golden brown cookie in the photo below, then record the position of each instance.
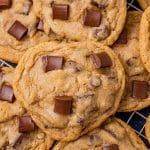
(69, 88)
(147, 128)
(137, 94)
(17, 130)
(113, 135)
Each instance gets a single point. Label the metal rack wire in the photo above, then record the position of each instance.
(135, 119)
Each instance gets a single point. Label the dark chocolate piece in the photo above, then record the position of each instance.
(40, 26)
(123, 37)
(110, 147)
(18, 30)
(6, 93)
(92, 18)
(139, 89)
(52, 63)
(63, 105)
(101, 60)
(5, 4)
(60, 11)
(26, 124)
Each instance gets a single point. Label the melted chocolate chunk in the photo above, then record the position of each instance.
(18, 30)
(19, 140)
(63, 105)
(52, 63)
(110, 147)
(40, 26)
(60, 11)
(92, 18)
(6, 93)
(5, 4)
(123, 37)
(26, 124)
(101, 60)
(139, 89)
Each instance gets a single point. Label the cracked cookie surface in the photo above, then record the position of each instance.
(69, 88)
(15, 135)
(113, 135)
(128, 50)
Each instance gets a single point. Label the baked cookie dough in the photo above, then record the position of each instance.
(20, 29)
(69, 88)
(20, 133)
(96, 20)
(147, 128)
(17, 130)
(137, 94)
(145, 38)
(9, 106)
(144, 3)
(113, 135)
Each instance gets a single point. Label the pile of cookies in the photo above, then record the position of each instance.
(78, 63)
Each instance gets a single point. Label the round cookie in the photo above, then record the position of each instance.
(147, 128)
(113, 135)
(96, 20)
(69, 88)
(144, 3)
(127, 49)
(144, 38)
(20, 29)
(17, 130)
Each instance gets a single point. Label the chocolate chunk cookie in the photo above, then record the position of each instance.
(97, 20)
(9, 106)
(144, 3)
(113, 135)
(17, 130)
(20, 28)
(137, 94)
(147, 128)
(21, 133)
(69, 88)
(144, 38)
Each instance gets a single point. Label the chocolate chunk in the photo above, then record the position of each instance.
(26, 124)
(102, 32)
(6, 93)
(60, 11)
(92, 18)
(63, 105)
(40, 26)
(18, 30)
(5, 4)
(123, 37)
(139, 89)
(110, 147)
(19, 140)
(101, 60)
(52, 63)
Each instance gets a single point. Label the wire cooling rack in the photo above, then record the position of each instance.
(135, 119)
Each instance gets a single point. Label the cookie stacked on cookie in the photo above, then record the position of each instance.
(74, 73)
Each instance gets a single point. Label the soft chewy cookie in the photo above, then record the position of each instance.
(147, 128)
(20, 28)
(113, 135)
(69, 88)
(9, 106)
(145, 38)
(17, 130)
(97, 20)
(137, 94)
(144, 3)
